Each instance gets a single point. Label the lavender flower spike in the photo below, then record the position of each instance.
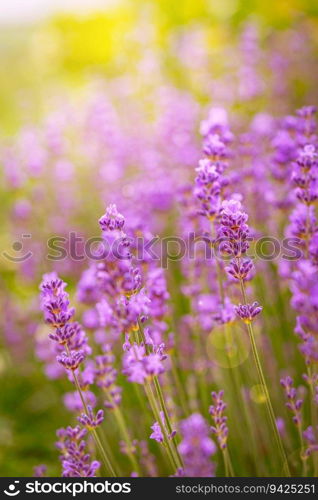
(293, 404)
(112, 219)
(220, 428)
(89, 420)
(71, 360)
(247, 312)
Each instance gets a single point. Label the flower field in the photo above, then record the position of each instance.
(159, 242)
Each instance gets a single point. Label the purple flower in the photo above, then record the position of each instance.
(157, 433)
(311, 437)
(39, 470)
(220, 428)
(308, 157)
(214, 147)
(112, 219)
(63, 334)
(133, 366)
(233, 231)
(247, 312)
(153, 364)
(71, 360)
(73, 401)
(74, 457)
(88, 290)
(105, 375)
(240, 270)
(55, 301)
(293, 404)
(89, 420)
(196, 447)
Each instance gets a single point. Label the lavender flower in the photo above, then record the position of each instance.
(293, 404)
(311, 438)
(39, 470)
(112, 219)
(75, 460)
(247, 312)
(157, 428)
(157, 434)
(89, 420)
(55, 301)
(105, 376)
(196, 448)
(71, 360)
(220, 428)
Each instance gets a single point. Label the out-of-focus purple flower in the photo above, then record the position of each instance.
(157, 434)
(196, 447)
(88, 290)
(311, 438)
(105, 375)
(281, 427)
(39, 470)
(293, 403)
(73, 402)
(133, 366)
(220, 428)
(153, 364)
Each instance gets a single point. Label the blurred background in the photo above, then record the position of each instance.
(57, 51)
(44, 43)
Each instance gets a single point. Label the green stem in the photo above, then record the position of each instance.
(123, 428)
(313, 411)
(156, 412)
(167, 418)
(227, 463)
(263, 384)
(302, 452)
(267, 400)
(153, 403)
(97, 440)
(162, 401)
(181, 393)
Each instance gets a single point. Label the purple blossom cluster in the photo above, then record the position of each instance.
(75, 459)
(68, 335)
(196, 447)
(220, 428)
(293, 403)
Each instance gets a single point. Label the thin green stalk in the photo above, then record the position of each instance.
(263, 384)
(153, 403)
(227, 463)
(181, 393)
(167, 418)
(123, 428)
(97, 440)
(162, 401)
(267, 400)
(302, 452)
(313, 411)
(156, 412)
